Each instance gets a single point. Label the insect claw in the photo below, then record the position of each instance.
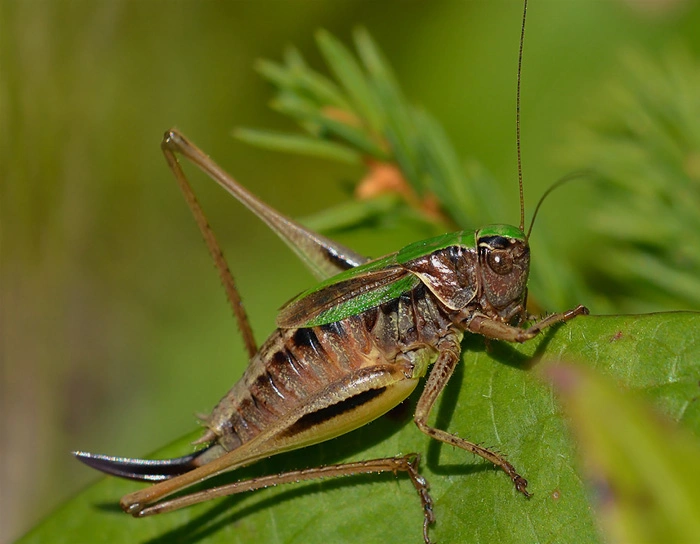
(141, 469)
(521, 485)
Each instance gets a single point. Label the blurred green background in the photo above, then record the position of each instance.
(114, 328)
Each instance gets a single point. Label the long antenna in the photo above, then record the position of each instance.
(517, 120)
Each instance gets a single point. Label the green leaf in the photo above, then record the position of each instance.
(350, 74)
(459, 194)
(351, 213)
(645, 473)
(496, 399)
(303, 110)
(296, 76)
(399, 127)
(294, 143)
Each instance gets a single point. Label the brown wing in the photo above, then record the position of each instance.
(345, 297)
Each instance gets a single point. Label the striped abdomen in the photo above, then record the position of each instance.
(295, 366)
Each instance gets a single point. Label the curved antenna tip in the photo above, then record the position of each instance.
(561, 181)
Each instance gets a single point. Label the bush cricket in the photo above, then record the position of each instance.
(347, 350)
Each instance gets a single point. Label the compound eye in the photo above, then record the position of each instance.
(501, 262)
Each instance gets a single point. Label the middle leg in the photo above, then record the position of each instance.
(450, 351)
